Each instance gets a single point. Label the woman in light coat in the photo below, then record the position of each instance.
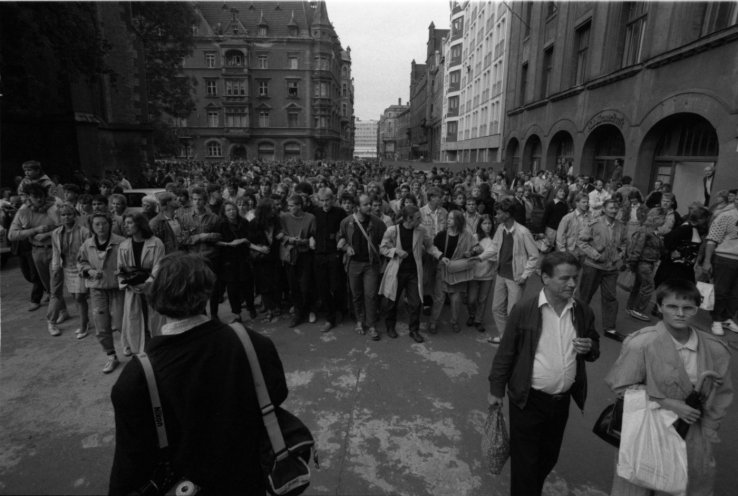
(484, 274)
(141, 251)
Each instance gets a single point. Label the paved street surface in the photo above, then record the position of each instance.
(390, 417)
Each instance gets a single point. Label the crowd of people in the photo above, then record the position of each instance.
(354, 240)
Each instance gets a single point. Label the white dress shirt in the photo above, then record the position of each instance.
(688, 354)
(184, 325)
(555, 362)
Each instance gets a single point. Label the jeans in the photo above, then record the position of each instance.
(606, 280)
(477, 299)
(328, 278)
(364, 282)
(56, 295)
(28, 268)
(107, 312)
(439, 298)
(42, 262)
(725, 276)
(643, 288)
(506, 294)
(407, 282)
(298, 278)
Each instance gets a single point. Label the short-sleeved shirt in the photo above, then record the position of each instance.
(724, 233)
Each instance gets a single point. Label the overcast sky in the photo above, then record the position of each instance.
(384, 36)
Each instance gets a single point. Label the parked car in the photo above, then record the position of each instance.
(134, 197)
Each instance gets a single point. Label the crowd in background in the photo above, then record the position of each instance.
(367, 236)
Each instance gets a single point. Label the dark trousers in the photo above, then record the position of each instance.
(364, 282)
(407, 283)
(267, 274)
(725, 275)
(298, 278)
(606, 280)
(536, 432)
(28, 268)
(237, 292)
(328, 279)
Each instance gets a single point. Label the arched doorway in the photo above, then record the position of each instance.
(512, 157)
(532, 154)
(292, 151)
(266, 151)
(560, 154)
(238, 152)
(603, 147)
(678, 148)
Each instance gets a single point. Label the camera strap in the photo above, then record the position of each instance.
(156, 410)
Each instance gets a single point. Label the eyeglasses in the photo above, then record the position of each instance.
(687, 310)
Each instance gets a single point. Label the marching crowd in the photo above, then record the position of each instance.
(355, 239)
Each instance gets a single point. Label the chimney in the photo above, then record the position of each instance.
(399, 101)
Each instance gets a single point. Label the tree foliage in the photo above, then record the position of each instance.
(165, 32)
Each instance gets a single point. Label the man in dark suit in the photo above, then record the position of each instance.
(541, 359)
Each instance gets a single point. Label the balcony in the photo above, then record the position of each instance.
(235, 70)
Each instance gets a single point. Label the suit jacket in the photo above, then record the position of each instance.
(513, 363)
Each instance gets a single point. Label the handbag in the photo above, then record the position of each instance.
(610, 422)
(495, 441)
(133, 276)
(286, 453)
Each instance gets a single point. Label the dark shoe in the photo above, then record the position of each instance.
(480, 327)
(432, 328)
(392, 333)
(327, 326)
(416, 336)
(613, 334)
(455, 328)
(426, 310)
(373, 334)
(470, 321)
(34, 306)
(295, 321)
(253, 314)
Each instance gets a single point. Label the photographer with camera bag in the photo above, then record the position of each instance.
(214, 425)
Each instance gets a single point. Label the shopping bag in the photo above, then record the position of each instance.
(651, 454)
(707, 290)
(495, 441)
(626, 279)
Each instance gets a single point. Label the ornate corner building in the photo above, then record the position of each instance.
(649, 83)
(270, 81)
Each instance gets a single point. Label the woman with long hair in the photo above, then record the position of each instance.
(138, 261)
(484, 274)
(264, 231)
(235, 264)
(455, 243)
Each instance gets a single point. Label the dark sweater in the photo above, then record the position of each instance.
(210, 407)
(513, 363)
(553, 214)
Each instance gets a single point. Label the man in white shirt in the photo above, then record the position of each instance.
(541, 362)
(597, 198)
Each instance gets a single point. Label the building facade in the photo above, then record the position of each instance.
(366, 138)
(393, 132)
(434, 64)
(272, 82)
(652, 84)
(474, 82)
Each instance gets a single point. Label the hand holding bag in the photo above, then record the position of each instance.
(609, 424)
(707, 290)
(495, 441)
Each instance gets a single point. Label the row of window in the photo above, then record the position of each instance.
(236, 58)
(239, 87)
(238, 117)
(214, 149)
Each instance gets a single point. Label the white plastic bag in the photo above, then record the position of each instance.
(707, 290)
(651, 454)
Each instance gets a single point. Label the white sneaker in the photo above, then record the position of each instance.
(53, 329)
(717, 329)
(730, 325)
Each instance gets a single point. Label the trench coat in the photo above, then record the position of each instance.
(132, 332)
(422, 243)
(650, 357)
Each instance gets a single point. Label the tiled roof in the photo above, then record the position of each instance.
(276, 15)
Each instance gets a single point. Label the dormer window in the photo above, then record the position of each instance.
(294, 31)
(263, 30)
(234, 59)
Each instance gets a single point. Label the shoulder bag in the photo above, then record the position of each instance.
(286, 453)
